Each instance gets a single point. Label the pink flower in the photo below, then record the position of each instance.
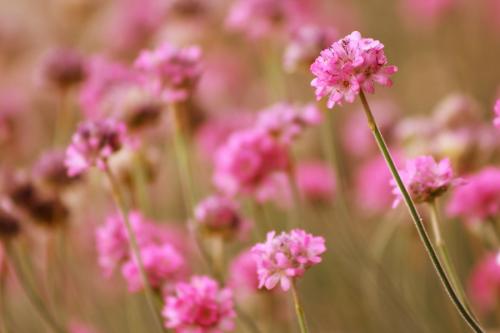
(218, 214)
(243, 273)
(78, 327)
(286, 122)
(484, 283)
(427, 12)
(92, 144)
(247, 160)
(425, 179)
(171, 71)
(316, 181)
(496, 109)
(200, 306)
(479, 198)
(282, 258)
(162, 264)
(63, 68)
(50, 169)
(348, 66)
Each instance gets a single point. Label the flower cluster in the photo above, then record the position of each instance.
(63, 68)
(496, 109)
(425, 179)
(92, 144)
(484, 284)
(200, 306)
(219, 215)
(282, 258)
(348, 66)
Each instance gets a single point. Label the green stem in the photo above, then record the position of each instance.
(122, 206)
(299, 310)
(417, 220)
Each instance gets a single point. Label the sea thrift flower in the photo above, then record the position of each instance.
(200, 306)
(496, 109)
(425, 179)
(92, 144)
(282, 258)
(286, 122)
(350, 65)
(316, 181)
(427, 11)
(51, 170)
(171, 71)
(247, 160)
(243, 273)
(479, 198)
(162, 264)
(219, 215)
(63, 68)
(484, 283)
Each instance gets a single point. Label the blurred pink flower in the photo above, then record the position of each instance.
(51, 170)
(316, 181)
(484, 283)
(243, 273)
(247, 160)
(92, 144)
(63, 67)
(426, 11)
(200, 306)
(171, 71)
(162, 263)
(496, 109)
(348, 66)
(218, 214)
(479, 198)
(78, 327)
(282, 258)
(425, 179)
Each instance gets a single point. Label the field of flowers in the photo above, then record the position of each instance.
(254, 166)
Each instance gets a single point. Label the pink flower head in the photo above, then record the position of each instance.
(63, 68)
(479, 198)
(243, 273)
(171, 71)
(162, 264)
(425, 179)
(316, 181)
(427, 12)
(200, 306)
(51, 170)
(496, 109)
(247, 160)
(78, 327)
(92, 144)
(349, 65)
(286, 122)
(282, 258)
(484, 283)
(218, 214)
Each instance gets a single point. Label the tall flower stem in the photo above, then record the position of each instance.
(417, 220)
(122, 206)
(34, 298)
(299, 310)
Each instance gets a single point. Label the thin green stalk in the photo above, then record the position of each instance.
(122, 206)
(417, 220)
(299, 310)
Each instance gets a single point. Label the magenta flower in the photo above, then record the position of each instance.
(200, 306)
(350, 65)
(243, 273)
(92, 144)
(286, 122)
(479, 198)
(282, 258)
(484, 283)
(171, 71)
(316, 181)
(425, 179)
(496, 109)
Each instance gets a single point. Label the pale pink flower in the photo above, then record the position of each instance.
(286, 122)
(316, 181)
(496, 110)
(479, 198)
(243, 273)
(170, 71)
(78, 327)
(162, 264)
(425, 179)
(348, 66)
(200, 306)
(218, 214)
(426, 12)
(63, 67)
(484, 283)
(51, 170)
(285, 257)
(92, 144)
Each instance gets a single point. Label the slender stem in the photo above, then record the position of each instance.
(299, 310)
(122, 206)
(417, 220)
(31, 293)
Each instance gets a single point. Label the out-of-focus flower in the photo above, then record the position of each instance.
(218, 214)
(316, 181)
(92, 144)
(484, 283)
(286, 122)
(243, 273)
(51, 170)
(479, 198)
(247, 160)
(496, 110)
(63, 68)
(162, 264)
(348, 66)
(425, 179)
(305, 44)
(78, 327)
(171, 71)
(282, 258)
(9, 225)
(426, 12)
(200, 306)
(48, 212)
